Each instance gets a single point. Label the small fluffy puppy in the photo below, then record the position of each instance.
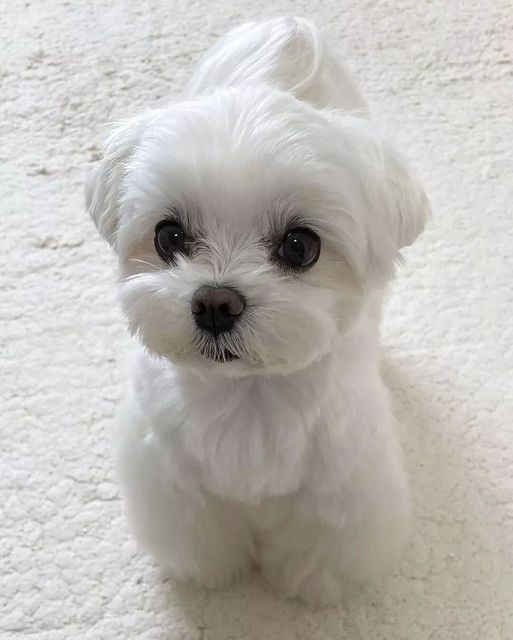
(257, 222)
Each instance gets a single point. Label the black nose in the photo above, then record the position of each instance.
(216, 309)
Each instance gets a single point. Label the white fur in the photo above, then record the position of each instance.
(286, 458)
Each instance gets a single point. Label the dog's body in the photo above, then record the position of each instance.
(273, 442)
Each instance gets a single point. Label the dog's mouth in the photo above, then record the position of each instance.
(219, 355)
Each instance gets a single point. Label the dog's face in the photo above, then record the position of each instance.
(250, 227)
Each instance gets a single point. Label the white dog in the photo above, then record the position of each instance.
(257, 223)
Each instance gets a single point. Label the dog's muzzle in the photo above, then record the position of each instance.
(216, 309)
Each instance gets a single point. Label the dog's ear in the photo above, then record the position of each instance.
(407, 205)
(105, 184)
(401, 211)
(390, 204)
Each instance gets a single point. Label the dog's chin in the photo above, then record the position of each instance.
(222, 363)
(223, 355)
(225, 363)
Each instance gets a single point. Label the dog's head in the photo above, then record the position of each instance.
(250, 227)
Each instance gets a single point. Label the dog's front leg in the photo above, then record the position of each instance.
(318, 544)
(199, 538)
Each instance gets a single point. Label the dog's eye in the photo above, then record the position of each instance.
(300, 248)
(169, 239)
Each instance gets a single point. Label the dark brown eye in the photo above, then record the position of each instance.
(300, 248)
(169, 239)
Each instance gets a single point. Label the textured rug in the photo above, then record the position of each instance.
(437, 74)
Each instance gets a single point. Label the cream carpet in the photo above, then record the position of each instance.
(440, 75)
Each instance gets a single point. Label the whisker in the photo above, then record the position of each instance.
(156, 267)
(130, 278)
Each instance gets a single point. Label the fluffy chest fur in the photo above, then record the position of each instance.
(246, 439)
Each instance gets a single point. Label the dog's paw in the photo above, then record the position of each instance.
(213, 580)
(321, 588)
(210, 577)
(316, 586)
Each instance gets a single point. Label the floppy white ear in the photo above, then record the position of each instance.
(388, 202)
(409, 204)
(401, 210)
(105, 184)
